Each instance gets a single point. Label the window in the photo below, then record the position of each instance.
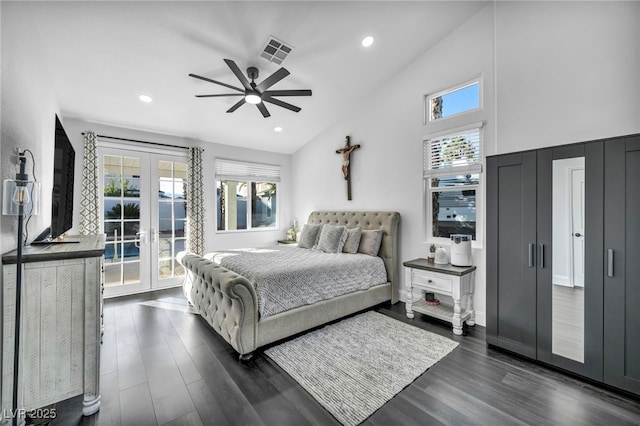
(452, 171)
(450, 102)
(246, 195)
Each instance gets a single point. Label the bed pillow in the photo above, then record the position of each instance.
(370, 241)
(353, 240)
(309, 236)
(331, 239)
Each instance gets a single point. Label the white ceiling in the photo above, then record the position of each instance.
(102, 55)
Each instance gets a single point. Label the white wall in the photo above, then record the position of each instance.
(387, 170)
(566, 71)
(214, 239)
(28, 116)
(553, 73)
(28, 109)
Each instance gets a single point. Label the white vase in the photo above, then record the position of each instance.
(441, 256)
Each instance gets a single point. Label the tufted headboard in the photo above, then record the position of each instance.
(387, 221)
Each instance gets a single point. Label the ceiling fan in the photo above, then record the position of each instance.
(254, 93)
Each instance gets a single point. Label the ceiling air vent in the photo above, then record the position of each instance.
(275, 51)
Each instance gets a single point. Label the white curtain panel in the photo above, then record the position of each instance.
(89, 203)
(195, 205)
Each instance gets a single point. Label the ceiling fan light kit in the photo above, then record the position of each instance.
(253, 98)
(256, 94)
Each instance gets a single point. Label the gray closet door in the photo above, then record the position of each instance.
(593, 152)
(511, 252)
(622, 264)
(544, 237)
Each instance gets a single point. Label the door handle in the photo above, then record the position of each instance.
(577, 234)
(610, 263)
(140, 238)
(541, 261)
(532, 253)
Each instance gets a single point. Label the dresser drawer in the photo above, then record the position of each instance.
(435, 282)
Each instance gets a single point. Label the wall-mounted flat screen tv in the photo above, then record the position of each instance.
(64, 157)
(64, 160)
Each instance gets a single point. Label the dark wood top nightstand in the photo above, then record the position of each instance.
(458, 282)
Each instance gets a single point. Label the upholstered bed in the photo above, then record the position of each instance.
(230, 303)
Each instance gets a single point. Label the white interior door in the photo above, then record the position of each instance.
(144, 218)
(577, 226)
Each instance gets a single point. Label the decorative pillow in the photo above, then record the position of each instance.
(331, 239)
(370, 241)
(353, 240)
(309, 236)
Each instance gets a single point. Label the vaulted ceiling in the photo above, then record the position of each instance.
(101, 55)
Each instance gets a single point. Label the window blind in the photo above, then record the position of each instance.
(240, 170)
(456, 153)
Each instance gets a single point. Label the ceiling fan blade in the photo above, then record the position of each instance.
(281, 104)
(238, 74)
(263, 110)
(272, 79)
(216, 82)
(287, 93)
(237, 105)
(217, 96)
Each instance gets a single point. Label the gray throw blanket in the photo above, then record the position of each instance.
(289, 277)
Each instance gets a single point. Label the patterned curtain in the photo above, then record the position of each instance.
(195, 205)
(89, 203)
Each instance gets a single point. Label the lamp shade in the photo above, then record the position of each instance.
(17, 193)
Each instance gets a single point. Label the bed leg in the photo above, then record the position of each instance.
(246, 357)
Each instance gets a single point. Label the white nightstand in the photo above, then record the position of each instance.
(457, 282)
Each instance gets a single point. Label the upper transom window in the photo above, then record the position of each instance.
(454, 101)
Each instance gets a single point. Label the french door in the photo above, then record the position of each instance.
(143, 214)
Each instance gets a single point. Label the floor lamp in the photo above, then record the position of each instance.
(20, 198)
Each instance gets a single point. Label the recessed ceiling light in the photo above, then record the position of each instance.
(367, 41)
(145, 98)
(277, 129)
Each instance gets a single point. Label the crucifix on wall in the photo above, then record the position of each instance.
(346, 162)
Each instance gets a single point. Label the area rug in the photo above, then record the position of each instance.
(355, 366)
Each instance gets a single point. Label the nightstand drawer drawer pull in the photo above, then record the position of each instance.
(433, 282)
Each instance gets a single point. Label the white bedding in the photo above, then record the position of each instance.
(287, 277)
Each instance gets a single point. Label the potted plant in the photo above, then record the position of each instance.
(432, 252)
(291, 233)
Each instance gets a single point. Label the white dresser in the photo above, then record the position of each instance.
(61, 320)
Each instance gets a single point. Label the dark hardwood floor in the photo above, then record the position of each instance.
(162, 365)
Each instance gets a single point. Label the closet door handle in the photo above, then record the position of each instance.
(610, 263)
(541, 261)
(532, 253)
